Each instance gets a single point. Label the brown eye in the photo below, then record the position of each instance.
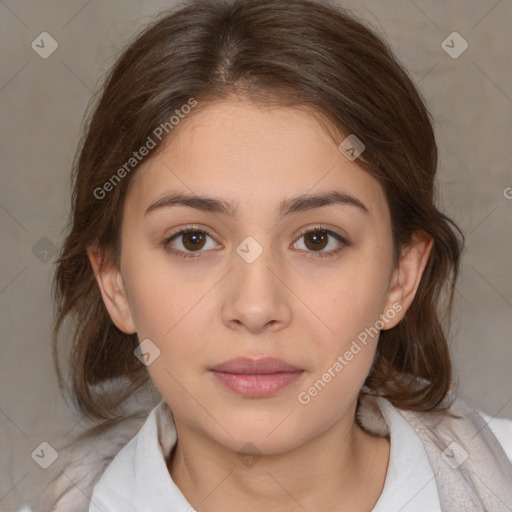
(193, 240)
(188, 241)
(316, 240)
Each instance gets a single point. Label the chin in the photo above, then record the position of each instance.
(254, 436)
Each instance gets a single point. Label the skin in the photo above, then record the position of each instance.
(289, 303)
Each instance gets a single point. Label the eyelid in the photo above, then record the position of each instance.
(320, 227)
(187, 229)
(330, 232)
(327, 229)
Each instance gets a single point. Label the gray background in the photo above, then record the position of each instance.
(42, 102)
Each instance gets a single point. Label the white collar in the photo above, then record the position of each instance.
(138, 479)
(410, 484)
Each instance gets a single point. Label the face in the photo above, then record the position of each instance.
(247, 281)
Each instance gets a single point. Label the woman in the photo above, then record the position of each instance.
(254, 236)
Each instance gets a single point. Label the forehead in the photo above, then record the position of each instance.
(254, 156)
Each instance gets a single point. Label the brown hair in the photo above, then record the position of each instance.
(303, 53)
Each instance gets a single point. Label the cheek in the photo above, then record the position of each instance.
(343, 354)
(351, 298)
(349, 304)
(171, 308)
(160, 294)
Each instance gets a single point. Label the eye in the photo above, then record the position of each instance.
(316, 239)
(188, 240)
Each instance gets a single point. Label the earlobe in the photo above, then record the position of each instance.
(110, 282)
(407, 276)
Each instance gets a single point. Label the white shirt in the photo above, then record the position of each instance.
(138, 479)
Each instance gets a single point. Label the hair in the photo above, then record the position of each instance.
(298, 53)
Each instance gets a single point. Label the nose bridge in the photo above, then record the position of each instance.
(252, 264)
(256, 296)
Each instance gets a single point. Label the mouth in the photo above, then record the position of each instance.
(256, 377)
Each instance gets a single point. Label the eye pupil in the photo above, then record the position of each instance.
(317, 238)
(195, 238)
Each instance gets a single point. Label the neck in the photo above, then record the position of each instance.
(342, 466)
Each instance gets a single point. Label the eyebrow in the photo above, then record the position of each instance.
(295, 204)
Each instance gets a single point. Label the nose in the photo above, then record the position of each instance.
(256, 297)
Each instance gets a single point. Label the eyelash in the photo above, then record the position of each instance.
(320, 254)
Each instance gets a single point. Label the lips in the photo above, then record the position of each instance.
(256, 378)
(247, 366)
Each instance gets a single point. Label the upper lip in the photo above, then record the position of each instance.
(248, 366)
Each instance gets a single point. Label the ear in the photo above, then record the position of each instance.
(110, 282)
(406, 278)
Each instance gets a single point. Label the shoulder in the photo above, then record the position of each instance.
(68, 483)
(370, 416)
(502, 429)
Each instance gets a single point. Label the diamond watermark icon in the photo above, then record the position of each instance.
(44, 250)
(44, 45)
(146, 352)
(249, 249)
(352, 147)
(454, 45)
(249, 459)
(454, 455)
(45, 455)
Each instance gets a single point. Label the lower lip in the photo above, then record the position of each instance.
(257, 385)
